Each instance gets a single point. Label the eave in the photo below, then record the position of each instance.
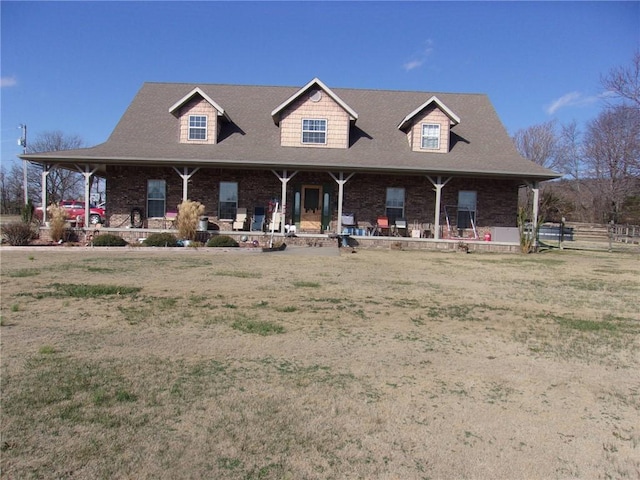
(278, 164)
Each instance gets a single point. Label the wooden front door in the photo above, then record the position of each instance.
(311, 211)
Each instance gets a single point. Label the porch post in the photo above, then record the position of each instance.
(87, 189)
(284, 179)
(535, 187)
(185, 180)
(45, 174)
(438, 183)
(340, 181)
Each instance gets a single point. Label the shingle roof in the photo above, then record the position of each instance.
(148, 134)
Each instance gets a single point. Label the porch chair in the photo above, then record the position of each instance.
(275, 222)
(257, 224)
(170, 218)
(382, 226)
(401, 227)
(348, 222)
(240, 223)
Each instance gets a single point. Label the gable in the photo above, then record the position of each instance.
(316, 105)
(199, 118)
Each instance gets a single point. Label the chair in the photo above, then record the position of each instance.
(401, 227)
(275, 222)
(170, 217)
(240, 223)
(348, 223)
(382, 225)
(257, 224)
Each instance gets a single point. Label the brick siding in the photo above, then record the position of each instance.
(364, 194)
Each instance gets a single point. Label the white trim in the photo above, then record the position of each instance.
(205, 128)
(302, 130)
(275, 114)
(454, 119)
(423, 136)
(189, 96)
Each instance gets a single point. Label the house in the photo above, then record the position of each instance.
(436, 159)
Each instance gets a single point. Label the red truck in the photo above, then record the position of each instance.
(75, 209)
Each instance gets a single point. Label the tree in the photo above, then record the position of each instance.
(11, 191)
(539, 143)
(612, 153)
(62, 183)
(624, 82)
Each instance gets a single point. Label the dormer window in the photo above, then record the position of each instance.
(430, 136)
(314, 131)
(197, 127)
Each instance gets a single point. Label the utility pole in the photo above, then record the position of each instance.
(22, 141)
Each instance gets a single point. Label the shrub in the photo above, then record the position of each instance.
(222, 241)
(57, 222)
(109, 240)
(27, 212)
(163, 239)
(18, 233)
(188, 215)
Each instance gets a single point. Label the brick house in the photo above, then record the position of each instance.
(437, 160)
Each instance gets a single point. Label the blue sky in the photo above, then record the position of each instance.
(75, 66)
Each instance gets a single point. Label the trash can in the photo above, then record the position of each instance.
(203, 225)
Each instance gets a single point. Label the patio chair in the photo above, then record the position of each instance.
(240, 223)
(349, 223)
(401, 227)
(382, 226)
(170, 218)
(257, 224)
(275, 222)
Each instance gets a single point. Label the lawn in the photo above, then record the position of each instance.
(370, 365)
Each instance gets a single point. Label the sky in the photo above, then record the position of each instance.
(75, 66)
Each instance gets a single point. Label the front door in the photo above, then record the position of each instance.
(311, 211)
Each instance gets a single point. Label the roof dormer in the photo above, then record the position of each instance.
(314, 116)
(200, 117)
(428, 127)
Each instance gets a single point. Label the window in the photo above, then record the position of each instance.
(197, 127)
(314, 131)
(395, 204)
(431, 136)
(228, 203)
(156, 198)
(466, 208)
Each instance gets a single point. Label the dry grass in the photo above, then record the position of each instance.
(380, 364)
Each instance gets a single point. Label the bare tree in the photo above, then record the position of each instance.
(624, 82)
(612, 153)
(11, 191)
(62, 183)
(539, 143)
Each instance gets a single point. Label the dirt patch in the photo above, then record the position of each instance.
(375, 364)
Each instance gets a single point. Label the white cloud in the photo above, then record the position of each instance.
(420, 57)
(8, 82)
(573, 99)
(412, 64)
